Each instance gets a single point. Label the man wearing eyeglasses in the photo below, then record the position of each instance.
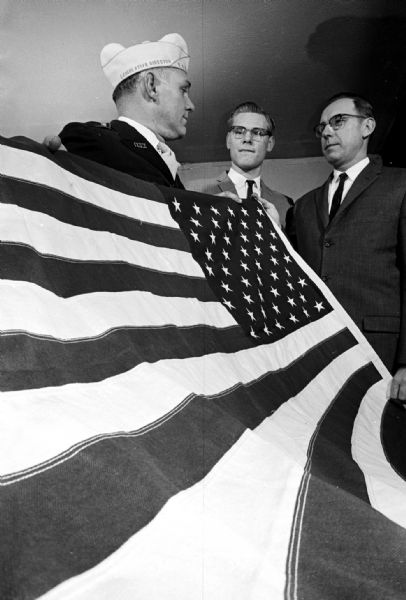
(352, 231)
(249, 139)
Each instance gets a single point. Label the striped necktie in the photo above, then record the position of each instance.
(168, 156)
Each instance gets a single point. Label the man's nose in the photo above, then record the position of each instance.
(328, 130)
(189, 105)
(249, 134)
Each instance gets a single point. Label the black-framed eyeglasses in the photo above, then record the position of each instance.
(336, 122)
(256, 133)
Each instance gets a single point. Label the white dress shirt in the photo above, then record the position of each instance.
(240, 183)
(352, 174)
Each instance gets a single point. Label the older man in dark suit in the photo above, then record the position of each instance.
(151, 92)
(352, 231)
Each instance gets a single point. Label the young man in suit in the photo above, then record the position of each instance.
(352, 231)
(250, 137)
(151, 93)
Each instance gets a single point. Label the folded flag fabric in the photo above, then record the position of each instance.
(186, 411)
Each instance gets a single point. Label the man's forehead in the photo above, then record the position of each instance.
(342, 105)
(249, 119)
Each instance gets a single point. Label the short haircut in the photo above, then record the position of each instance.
(362, 105)
(126, 86)
(129, 84)
(251, 107)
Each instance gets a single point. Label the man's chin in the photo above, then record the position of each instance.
(331, 154)
(246, 165)
(175, 135)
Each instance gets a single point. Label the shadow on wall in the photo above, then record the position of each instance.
(393, 151)
(379, 72)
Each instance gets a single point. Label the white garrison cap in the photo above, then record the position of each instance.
(118, 62)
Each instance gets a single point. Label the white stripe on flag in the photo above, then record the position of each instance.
(37, 169)
(225, 537)
(386, 489)
(31, 308)
(77, 243)
(242, 512)
(87, 412)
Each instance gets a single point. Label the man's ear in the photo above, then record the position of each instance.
(368, 127)
(150, 84)
(271, 144)
(228, 141)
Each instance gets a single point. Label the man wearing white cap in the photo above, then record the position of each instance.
(151, 93)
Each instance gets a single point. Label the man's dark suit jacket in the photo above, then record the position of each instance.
(119, 146)
(361, 255)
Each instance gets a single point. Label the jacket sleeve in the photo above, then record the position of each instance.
(401, 355)
(84, 139)
(290, 227)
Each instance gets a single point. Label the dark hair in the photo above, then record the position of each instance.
(125, 86)
(251, 107)
(362, 105)
(129, 84)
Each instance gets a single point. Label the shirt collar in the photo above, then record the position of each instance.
(144, 131)
(353, 171)
(239, 180)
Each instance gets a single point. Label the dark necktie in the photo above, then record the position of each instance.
(338, 194)
(250, 185)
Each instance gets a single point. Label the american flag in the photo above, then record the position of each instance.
(248, 267)
(186, 411)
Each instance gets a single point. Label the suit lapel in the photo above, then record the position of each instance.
(269, 194)
(322, 203)
(266, 192)
(225, 184)
(361, 183)
(135, 142)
